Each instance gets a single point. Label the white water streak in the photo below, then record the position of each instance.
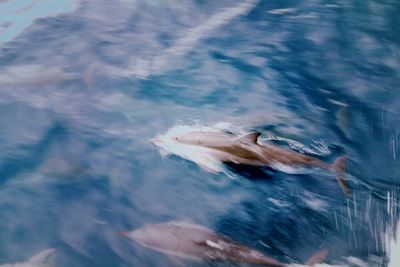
(144, 67)
(186, 43)
(392, 234)
(393, 245)
(199, 155)
(319, 147)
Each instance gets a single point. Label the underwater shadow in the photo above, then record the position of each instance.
(251, 172)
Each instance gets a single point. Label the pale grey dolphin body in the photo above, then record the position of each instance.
(41, 259)
(195, 242)
(246, 150)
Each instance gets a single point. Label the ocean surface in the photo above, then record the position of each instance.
(86, 85)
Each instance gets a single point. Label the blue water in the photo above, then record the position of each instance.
(85, 86)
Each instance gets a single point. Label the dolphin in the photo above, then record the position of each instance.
(195, 242)
(228, 148)
(41, 259)
(33, 75)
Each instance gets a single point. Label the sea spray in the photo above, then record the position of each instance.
(393, 247)
(200, 155)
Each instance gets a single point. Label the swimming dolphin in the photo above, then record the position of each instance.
(229, 148)
(41, 259)
(195, 242)
(33, 75)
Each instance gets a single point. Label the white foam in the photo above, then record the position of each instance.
(356, 262)
(278, 203)
(314, 202)
(290, 169)
(318, 147)
(200, 155)
(318, 265)
(282, 11)
(393, 247)
(344, 262)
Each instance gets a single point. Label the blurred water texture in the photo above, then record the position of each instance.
(85, 85)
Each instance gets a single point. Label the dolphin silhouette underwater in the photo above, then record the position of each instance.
(41, 259)
(228, 148)
(194, 242)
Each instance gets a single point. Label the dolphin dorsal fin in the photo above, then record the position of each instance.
(42, 256)
(249, 138)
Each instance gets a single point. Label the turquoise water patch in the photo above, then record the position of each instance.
(15, 16)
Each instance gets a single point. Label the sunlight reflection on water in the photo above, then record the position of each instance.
(15, 16)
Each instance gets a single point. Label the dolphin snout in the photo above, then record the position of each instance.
(124, 234)
(156, 141)
(139, 235)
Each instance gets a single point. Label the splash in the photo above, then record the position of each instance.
(392, 233)
(344, 262)
(393, 247)
(200, 155)
(15, 16)
(318, 147)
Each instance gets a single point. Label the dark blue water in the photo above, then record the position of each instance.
(83, 89)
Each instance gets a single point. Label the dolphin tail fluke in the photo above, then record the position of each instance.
(318, 257)
(339, 167)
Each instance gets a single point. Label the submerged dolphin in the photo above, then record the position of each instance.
(41, 259)
(195, 242)
(246, 150)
